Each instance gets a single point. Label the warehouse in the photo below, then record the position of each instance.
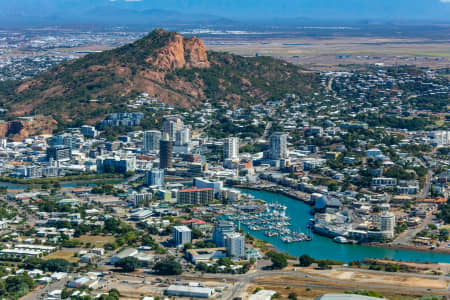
(189, 291)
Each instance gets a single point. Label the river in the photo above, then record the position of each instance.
(67, 184)
(322, 247)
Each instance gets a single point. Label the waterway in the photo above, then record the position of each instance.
(322, 247)
(71, 184)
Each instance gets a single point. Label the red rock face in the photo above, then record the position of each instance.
(181, 53)
(18, 130)
(195, 51)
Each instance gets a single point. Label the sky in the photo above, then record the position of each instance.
(431, 10)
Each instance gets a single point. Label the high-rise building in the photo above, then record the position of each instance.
(181, 235)
(89, 131)
(222, 228)
(171, 124)
(235, 244)
(195, 196)
(66, 140)
(278, 145)
(154, 177)
(387, 222)
(165, 153)
(116, 164)
(201, 183)
(183, 137)
(151, 140)
(59, 153)
(231, 148)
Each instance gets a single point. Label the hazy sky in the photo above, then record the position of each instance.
(250, 9)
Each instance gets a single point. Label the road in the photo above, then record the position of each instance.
(39, 294)
(133, 178)
(406, 237)
(266, 130)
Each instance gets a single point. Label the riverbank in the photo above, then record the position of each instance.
(17, 187)
(283, 191)
(409, 247)
(63, 179)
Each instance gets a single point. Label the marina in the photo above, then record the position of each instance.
(321, 247)
(273, 221)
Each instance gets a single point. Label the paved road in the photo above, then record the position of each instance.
(133, 178)
(39, 294)
(266, 130)
(406, 237)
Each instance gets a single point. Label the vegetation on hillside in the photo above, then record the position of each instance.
(87, 89)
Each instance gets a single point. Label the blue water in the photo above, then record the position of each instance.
(322, 247)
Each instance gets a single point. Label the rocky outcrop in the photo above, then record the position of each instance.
(181, 53)
(195, 51)
(18, 130)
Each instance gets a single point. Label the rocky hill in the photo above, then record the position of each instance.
(176, 70)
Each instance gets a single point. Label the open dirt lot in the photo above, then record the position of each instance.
(97, 241)
(64, 254)
(387, 279)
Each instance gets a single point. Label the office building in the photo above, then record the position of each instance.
(151, 140)
(165, 153)
(67, 140)
(183, 137)
(171, 124)
(222, 228)
(59, 153)
(201, 183)
(154, 177)
(278, 146)
(116, 164)
(89, 131)
(231, 148)
(181, 235)
(235, 244)
(195, 196)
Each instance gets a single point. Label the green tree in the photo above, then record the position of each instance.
(18, 286)
(323, 264)
(168, 267)
(292, 296)
(305, 260)
(56, 265)
(127, 264)
(279, 260)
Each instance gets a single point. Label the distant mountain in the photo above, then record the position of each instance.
(99, 12)
(178, 71)
(248, 10)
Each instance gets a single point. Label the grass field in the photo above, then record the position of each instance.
(64, 254)
(97, 241)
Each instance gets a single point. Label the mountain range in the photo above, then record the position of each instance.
(207, 11)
